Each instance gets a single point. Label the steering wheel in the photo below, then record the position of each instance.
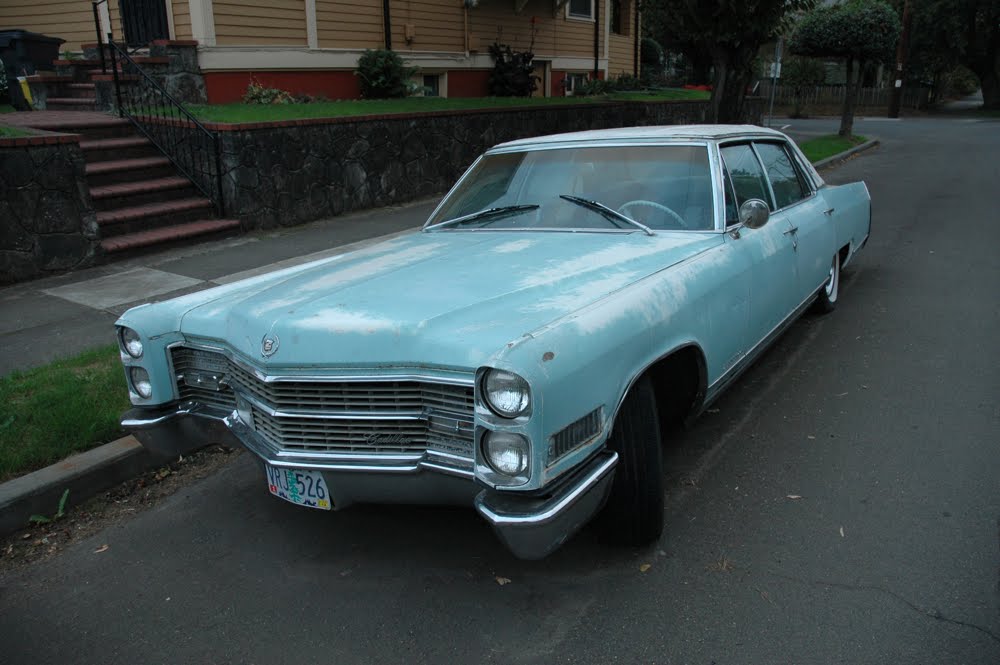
(653, 204)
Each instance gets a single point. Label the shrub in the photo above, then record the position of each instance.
(382, 74)
(620, 83)
(257, 93)
(513, 72)
(651, 57)
(3, 82)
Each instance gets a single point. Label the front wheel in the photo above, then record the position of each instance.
(633, 514)
(827, 299)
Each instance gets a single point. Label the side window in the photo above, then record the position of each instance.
(785, 180)
(746, 173)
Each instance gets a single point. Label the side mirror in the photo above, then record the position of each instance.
(754, 213)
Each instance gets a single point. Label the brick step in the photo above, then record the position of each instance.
(167, 235)
(71, 104)
(87, 125)
(149, 216)
(128, 147)
(73, 90)
(141, 193)
(114, 171)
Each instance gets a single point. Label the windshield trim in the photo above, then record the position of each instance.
(711, 145)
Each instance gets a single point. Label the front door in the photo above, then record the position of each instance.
(143, 21)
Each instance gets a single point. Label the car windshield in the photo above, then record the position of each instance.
(660, 187)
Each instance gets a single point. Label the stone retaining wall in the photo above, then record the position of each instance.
(287, 173)
(47, 220)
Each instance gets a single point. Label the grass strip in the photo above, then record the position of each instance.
(66, 407)
(6, 108)
(828, 146)
(237, 113)
(12, 132)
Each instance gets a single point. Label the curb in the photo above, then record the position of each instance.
(84, 475)
(840, 157)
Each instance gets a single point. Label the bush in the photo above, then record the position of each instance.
(257, 93)
(3, 82)
(513, 73)
(651, 57)
(621, 83)
(382, 74)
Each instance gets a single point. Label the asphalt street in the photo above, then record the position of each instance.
(882, 418)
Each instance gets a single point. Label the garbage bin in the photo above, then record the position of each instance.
(23, 53)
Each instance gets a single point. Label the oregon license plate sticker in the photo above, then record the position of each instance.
(301, 487)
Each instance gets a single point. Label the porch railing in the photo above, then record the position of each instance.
(195, 150)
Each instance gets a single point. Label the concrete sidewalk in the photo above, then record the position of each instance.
(57, 317)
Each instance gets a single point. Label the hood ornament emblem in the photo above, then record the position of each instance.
(269, 346)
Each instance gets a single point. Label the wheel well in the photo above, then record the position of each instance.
(679, 382)
(844, 252)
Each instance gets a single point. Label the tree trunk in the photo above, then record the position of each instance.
(850, 99)
(987, 70)
(732, 74)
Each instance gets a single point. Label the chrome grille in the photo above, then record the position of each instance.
(369, 417)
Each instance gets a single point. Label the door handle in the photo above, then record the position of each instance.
(829, 212)
(792, 230)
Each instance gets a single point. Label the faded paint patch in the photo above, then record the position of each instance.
(342, 321)
(513, 246)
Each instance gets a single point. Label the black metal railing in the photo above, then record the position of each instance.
(100, 38)
(195, 150)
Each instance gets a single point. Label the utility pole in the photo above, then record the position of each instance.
(775, 75)
(902, 51)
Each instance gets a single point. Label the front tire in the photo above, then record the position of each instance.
(633, 514)
(827, 300)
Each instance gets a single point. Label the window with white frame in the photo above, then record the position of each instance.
(580, 9)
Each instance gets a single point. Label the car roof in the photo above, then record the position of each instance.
(664, 132)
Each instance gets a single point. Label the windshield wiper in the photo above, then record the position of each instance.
(610, 213)
(489, 213)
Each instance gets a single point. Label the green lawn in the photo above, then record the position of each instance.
(63, 408)
(11, 132)
(828, 146)
(6, 108)
(235, 113)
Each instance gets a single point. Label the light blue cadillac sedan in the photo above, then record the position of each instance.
(570, 297)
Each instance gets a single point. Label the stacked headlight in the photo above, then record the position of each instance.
(130, 341)
(506, 393)
(140, 381)
(506, 452)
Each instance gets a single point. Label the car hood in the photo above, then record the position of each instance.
(444, 298)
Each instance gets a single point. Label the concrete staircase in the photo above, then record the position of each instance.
(141, 199)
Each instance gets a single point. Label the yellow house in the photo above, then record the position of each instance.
(312, 46)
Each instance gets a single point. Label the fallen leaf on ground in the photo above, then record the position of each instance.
(503, 580)
(644, 567)
(841, 395)
(810, 436)
(26, 536)
(794, 497)
(841, 532)
(102, 548)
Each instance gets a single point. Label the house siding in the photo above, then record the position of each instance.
(72, 20)
(553, 36)
(621, 47)
(349, 24)
(182, 19)
(260, 22)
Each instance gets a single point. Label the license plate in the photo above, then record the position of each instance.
(301, 487)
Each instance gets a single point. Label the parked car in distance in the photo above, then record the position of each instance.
(522, 352)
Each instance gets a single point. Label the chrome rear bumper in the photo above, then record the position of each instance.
(531, 527)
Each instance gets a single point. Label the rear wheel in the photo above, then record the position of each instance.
(633, 514)
(827, 300)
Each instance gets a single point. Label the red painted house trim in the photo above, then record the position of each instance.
(227, 87)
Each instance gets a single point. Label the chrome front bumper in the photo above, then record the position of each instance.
(530, 526)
